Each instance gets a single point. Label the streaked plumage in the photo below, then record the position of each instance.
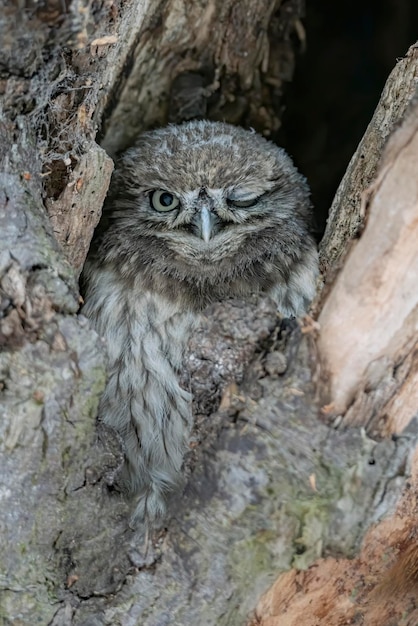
(197, 213)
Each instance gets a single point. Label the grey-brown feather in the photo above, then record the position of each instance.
(149, 273)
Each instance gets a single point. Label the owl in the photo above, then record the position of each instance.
(197, 213)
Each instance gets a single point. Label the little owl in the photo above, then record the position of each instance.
(196, 213)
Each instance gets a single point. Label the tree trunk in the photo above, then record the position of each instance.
(274, 481)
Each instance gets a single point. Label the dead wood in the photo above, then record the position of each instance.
(270, 485)
(367, 344)
(346, 215)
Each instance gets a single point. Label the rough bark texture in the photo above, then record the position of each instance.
(223, 60)
(271, 486)
(74, 228)
(377, 587)
(346, 215)
(368, 343)
(368, 368)
(52, 371)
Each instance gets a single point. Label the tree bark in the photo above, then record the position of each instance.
(272, 484)
(346, 215)
(368, 342)
(367, 348)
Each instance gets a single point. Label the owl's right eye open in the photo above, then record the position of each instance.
(163, 200)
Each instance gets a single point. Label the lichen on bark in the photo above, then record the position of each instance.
(270, 484)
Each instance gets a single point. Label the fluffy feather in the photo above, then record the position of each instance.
(239, 226)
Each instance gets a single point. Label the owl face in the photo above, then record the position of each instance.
(206, 203)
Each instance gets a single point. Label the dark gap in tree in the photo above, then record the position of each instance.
(351, 48)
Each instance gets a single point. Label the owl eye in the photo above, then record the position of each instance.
(241, 204)
(163, 200)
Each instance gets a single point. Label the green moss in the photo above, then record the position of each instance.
(252, 556)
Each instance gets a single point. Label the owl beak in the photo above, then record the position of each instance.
(207, 221)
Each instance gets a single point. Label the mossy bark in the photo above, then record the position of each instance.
(270, 485)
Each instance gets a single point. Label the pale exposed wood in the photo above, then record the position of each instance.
(346, 217)
(369, 321)
(76, 213)
(404, 403)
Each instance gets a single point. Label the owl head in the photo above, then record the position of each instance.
(205, 210)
